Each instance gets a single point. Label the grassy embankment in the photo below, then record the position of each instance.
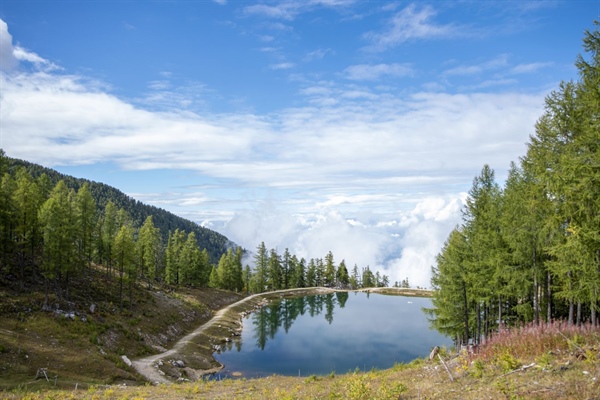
(81, 341)
(548, 362)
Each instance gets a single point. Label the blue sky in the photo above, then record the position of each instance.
(343, 125)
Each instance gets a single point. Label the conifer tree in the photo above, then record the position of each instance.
(330, 271)
(260, 276)
(124, 256)
(342, 275)
(274, 279)
(85, 217)
(148, 249)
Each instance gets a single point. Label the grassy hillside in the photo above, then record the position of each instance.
(81, 341)
(549, 363)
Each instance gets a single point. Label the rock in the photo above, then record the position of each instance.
(179, 363)
(126, 361)
(92, 308)
(159, 363)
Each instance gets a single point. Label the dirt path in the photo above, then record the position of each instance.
(146, 366)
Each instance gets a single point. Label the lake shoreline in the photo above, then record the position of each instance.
(192, 357)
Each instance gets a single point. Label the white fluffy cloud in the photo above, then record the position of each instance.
(370, 175)
(8, 61)
(401, 248)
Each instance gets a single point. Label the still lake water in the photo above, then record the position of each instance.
(333, 332)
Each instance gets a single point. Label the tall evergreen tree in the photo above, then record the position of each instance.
(85, 222)
(275, 279)
(261, 265)
(57, 227)
(330, 271)
(124, 256)
(148, 249)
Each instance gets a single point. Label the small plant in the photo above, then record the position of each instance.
(478, 369)
(391, 391)
(507, 362)
(312, 378)
(508, 390)
(545, 360)
(358, 389)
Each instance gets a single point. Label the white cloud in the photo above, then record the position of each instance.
(283, 65)
(411, 23)
(8, 60)
(371, 72)
(318, 54)
(10, 55)
(493, 64)
(371, 175)
(426, 228)
(416, 241)
(530, 68)
(288, 10)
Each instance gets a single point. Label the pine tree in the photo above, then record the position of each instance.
(311, 273)
(56, 219)
(342, 275)
(124, 255)
(274, 279)
(260, 276)
(27, 201)
(85, 217)
(108, 234)
(148, 249)
(452, 304)
(330, 271)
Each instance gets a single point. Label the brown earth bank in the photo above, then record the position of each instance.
(81, 341)
(76, 349)
(89, 337)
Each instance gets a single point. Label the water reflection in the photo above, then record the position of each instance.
(331, 332)
(283, 313)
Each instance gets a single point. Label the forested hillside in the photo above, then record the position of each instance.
(215, 243)
(531, 251)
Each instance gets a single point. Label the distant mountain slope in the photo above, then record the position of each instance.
(214, 242)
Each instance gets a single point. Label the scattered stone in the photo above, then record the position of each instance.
(92, 308)
(179, 363)
(126, 361)
(160, 363)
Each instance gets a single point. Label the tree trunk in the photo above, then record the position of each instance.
(578, 319)
(571, 311)
(478, 336)
(549, 297)
(466, 337)
(500, 323)
(536, 291)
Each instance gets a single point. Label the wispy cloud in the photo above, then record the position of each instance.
(473, 69)
(411, 23)
(288, 10)
(283, 65)
(372, 72)
(318, 54)
(530, 68)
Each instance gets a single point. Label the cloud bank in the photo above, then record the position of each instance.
(375, 176)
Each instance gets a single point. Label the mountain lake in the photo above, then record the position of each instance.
(338, 332)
